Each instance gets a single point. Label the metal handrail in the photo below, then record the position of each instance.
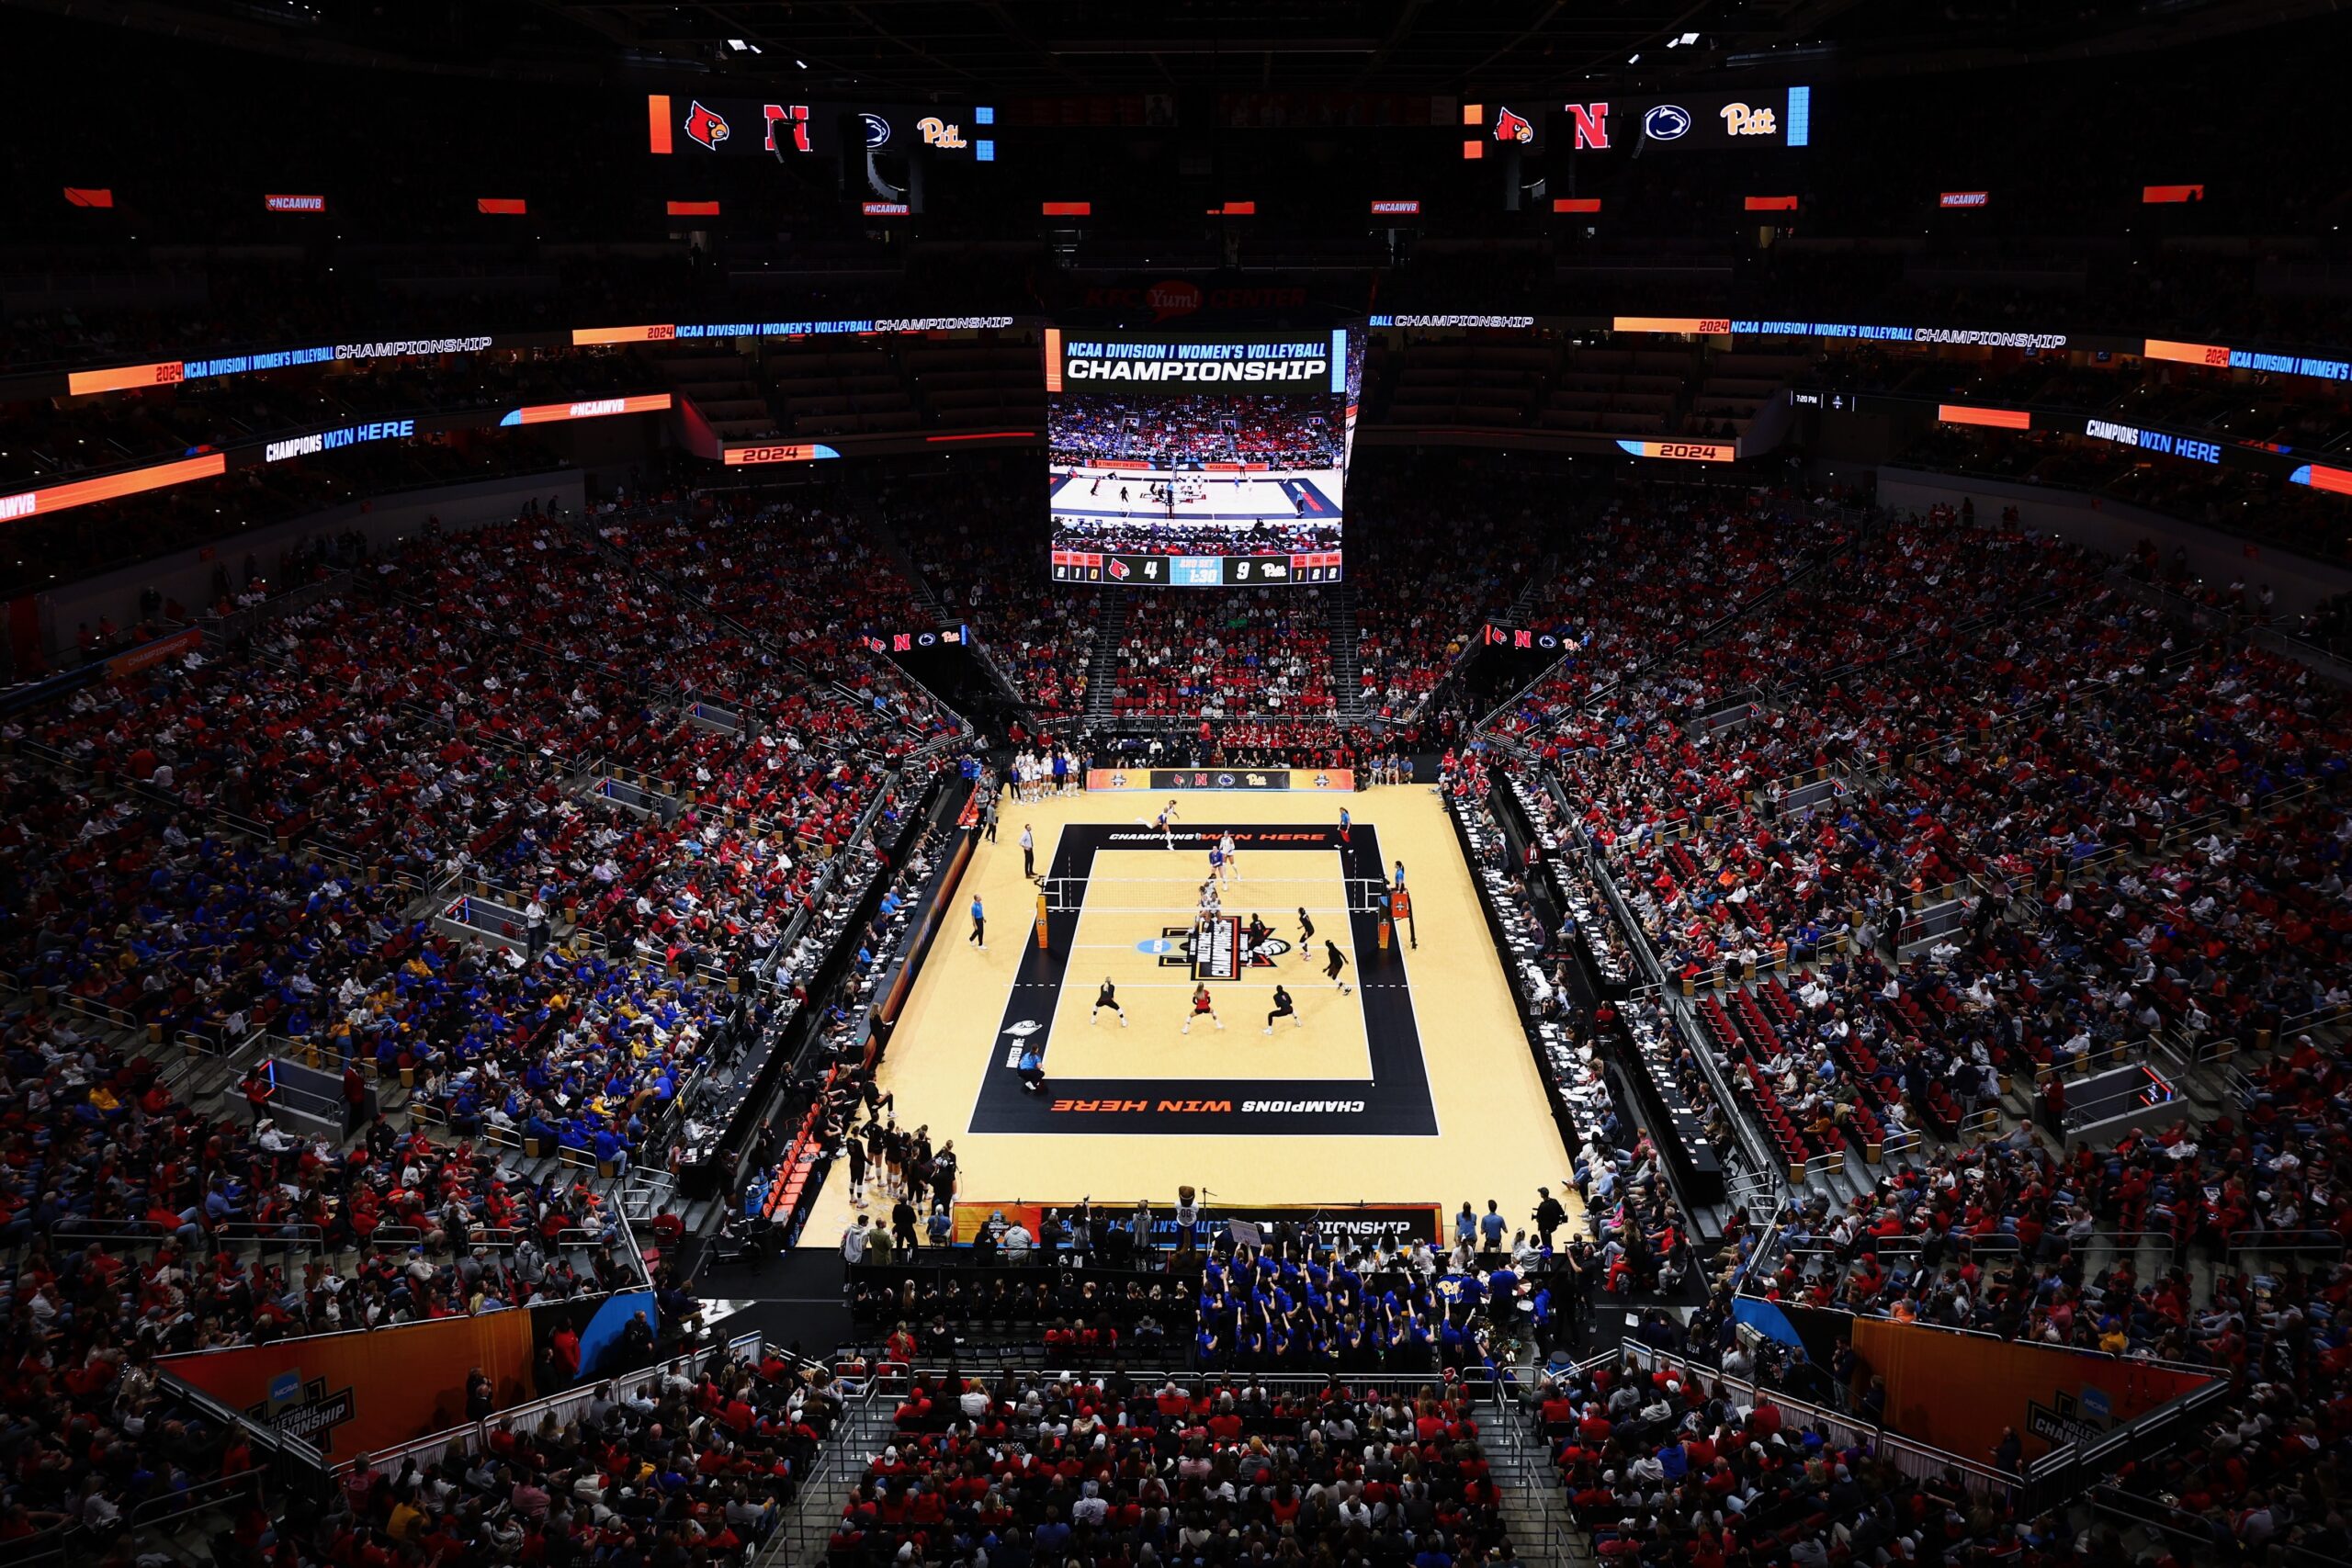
(2284, 1241)
(470, 1438)
(1922, 1462)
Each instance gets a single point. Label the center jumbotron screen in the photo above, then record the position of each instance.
(1198, 462)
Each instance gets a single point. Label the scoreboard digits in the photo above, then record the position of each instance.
(1196, 572)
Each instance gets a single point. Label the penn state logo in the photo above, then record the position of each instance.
(877, 129)
(1225, 781)
(1667, 122)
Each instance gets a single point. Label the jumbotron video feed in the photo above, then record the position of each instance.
(1199, 462)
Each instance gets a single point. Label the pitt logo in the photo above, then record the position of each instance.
(705, 127)
(1741, 120)
(937, 132)
(1509, 126)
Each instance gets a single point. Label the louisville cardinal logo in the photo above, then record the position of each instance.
(1508, 126)
(711, 129)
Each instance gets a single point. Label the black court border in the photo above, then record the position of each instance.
(1394, 1102)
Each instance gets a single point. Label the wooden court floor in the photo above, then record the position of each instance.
(1427, 1040)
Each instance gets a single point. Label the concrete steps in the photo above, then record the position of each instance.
(1534, 1509)
(1347, 665)
(1102, 657)
(802, 1534)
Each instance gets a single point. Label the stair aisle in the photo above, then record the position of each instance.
(1347, 670)
(807, 1528)
(1102, 659)
(1534, 1509)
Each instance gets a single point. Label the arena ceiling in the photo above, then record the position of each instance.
(967, 49)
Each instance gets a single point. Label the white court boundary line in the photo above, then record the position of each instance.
(1313, 966)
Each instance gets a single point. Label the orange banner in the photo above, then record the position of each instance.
(1708, 325)
(2215, 354)
(588, 408)
(1681, 451)
(582, 337)
(776, 452)
(123, 377)
(2000, 419)
(2319, 476)
(347, 1394)
(106, 487)
(1958, 1391)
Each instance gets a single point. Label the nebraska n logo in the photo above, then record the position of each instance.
(794, 115)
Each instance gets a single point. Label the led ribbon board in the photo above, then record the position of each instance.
(589, 407)
(1683, 451)
(776, 452)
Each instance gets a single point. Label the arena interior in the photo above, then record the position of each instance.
(1023, 784)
